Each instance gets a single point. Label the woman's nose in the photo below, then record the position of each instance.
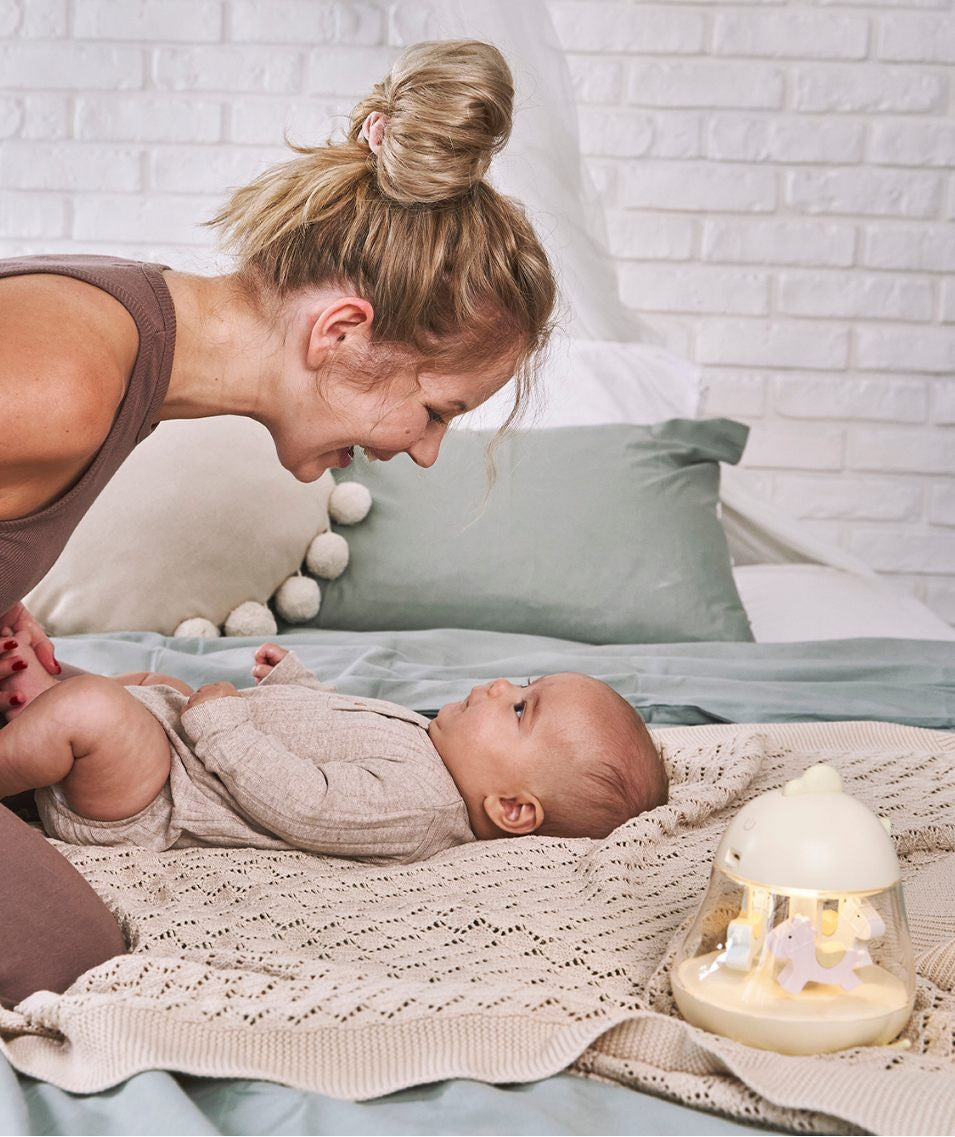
(425, 451)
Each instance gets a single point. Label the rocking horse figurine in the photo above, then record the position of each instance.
(795, 940)
(854, 920)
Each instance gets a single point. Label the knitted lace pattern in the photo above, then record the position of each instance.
(509, 960)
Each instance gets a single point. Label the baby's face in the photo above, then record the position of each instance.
(501, 740)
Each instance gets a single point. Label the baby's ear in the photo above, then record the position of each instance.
(516, 816)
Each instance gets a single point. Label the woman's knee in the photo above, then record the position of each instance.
(53, 926)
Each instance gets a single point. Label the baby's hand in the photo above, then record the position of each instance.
(209, 691)
(266, 658)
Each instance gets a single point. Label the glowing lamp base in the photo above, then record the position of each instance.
(752, 1008)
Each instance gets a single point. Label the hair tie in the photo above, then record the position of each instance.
(373, 130)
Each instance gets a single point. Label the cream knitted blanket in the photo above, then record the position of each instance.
(505, 961)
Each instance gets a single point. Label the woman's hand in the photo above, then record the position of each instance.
(19, 620)
(266, 658)
(222, 690)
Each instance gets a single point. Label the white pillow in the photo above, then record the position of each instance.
(199, 518)
(793, 602)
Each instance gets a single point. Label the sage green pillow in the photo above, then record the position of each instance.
(605, 534)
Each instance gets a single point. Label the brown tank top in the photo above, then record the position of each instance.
(29, 545)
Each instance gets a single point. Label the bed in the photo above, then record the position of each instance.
(690, 638)
(911, 681)
(742, 618)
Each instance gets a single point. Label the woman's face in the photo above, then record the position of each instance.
(407, 414)
(320, 413)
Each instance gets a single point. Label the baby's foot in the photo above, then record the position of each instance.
(22, 676)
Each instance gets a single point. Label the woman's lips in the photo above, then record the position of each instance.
(347, 455)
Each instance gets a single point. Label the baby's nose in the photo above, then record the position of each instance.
(500, 687)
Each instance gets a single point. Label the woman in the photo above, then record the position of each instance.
(382, 287)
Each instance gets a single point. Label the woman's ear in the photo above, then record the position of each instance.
(329, 324)
(516, 816)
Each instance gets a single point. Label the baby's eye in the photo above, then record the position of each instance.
(434, 416)
(519, 708)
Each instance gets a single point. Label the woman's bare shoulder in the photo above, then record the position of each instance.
(65, 362)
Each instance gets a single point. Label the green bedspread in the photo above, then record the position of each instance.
(904, 681)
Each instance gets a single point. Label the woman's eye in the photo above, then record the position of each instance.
(519, 708)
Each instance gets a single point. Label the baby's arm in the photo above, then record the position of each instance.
(274, 664)
(319, 808)
(266, 659)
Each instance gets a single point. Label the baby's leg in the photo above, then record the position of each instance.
(23, 677)
(107, 752)
(150, 679)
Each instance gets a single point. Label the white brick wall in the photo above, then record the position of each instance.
(779, 178)
(780, 187)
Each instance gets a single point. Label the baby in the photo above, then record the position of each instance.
(290, 763)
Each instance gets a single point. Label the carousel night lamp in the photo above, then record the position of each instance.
(801, 943)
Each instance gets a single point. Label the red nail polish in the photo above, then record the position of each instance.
(20, 665)
(17, 700)
(9, 645)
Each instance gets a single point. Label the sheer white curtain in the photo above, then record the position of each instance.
(541, 164)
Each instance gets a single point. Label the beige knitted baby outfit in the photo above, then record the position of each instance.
(289, 764)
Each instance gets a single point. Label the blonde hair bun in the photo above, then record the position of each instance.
(449, 106)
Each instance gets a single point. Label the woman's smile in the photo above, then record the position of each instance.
(346, 455)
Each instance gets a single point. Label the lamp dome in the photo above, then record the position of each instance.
(810, 835)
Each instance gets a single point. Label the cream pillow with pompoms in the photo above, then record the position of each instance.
(195, 532)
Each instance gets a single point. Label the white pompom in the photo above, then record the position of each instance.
(327, 556)
(198, 627)
(298, 599)
(349, 503)
(250, 619)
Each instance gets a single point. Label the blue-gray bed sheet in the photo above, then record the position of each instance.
(905, 681)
